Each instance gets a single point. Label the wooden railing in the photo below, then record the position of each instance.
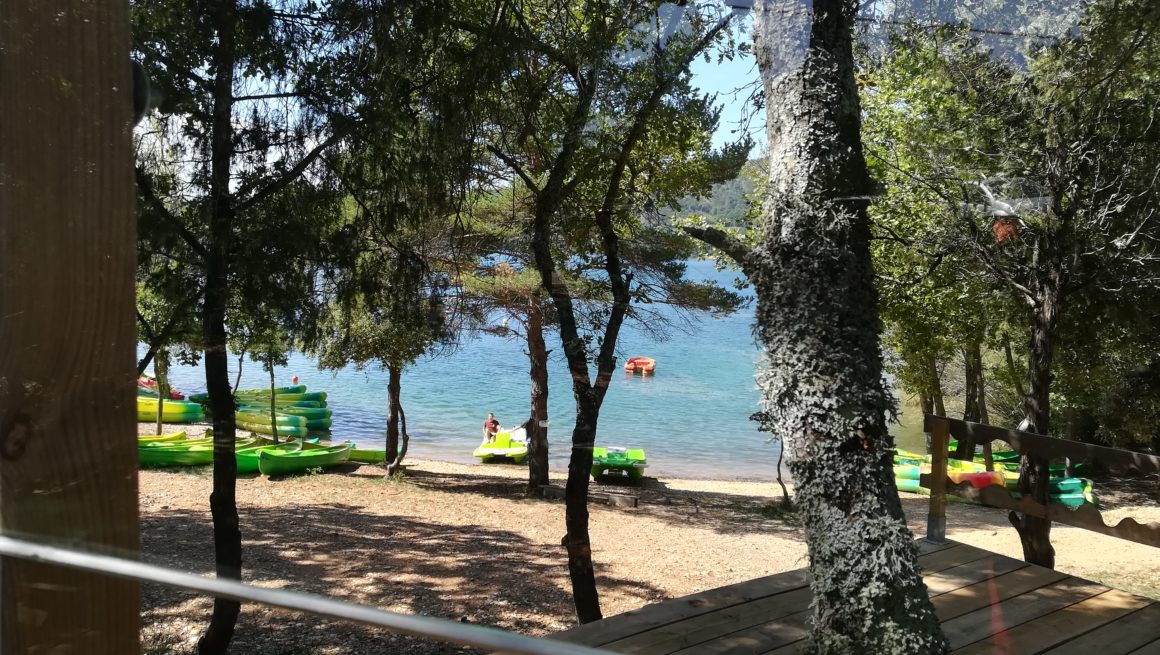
(1087, 516)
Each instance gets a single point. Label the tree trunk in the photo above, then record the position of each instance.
(394, 384)
(936, 392)
(143, 363)
(817, 317)
(161, 368)
(927, 403)
(984, 416)
(1034, 532)
(273, 405)
(397, 465)
(972, 362)
(580, 569)
(223, 501)
(786, 503)
(538, 422)
(238, 378)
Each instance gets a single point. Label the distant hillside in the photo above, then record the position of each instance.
(727, 201)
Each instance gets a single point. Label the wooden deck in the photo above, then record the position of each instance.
(987, 603)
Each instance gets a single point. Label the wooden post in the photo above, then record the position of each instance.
(68, 461)
(936, 520)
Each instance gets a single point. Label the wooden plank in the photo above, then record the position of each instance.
(970, 573)
(1152, 648)
(982, 623)
(784, 634)
(987, 592)
(770, 635)
(1118, 637)
(926, 546)
(671, 611)
(1057, 627)
(699, 629)
(651, 617)
(68, 462)
(948, 558)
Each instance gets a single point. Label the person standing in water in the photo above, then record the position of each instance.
(490, 427)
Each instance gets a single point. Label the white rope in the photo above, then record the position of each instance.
(491, 639)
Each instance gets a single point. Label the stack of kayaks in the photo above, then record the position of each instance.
(1071, 492)
(147, 386)
(1009, 460)
(507, 446)
(626, 461)
(297, 411)
(172, 411)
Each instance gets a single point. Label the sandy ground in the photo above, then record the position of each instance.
(464, 542)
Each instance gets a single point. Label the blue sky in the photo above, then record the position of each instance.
(724, 79)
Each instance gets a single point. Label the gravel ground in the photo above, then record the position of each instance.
(464, 542)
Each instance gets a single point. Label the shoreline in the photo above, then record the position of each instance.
(198, 429)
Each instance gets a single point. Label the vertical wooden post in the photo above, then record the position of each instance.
(68, 469)
(936, 520)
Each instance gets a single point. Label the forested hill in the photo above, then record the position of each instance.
(728, 201)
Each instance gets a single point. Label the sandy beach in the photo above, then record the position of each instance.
(464, 542)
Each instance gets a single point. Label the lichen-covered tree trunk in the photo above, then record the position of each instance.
(227, 535)
(394, 386)
(1035, 532)
(817, 317)
(537, 422)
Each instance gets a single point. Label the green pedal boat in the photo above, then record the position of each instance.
(628, 461)
(283, 463)
(507, 446)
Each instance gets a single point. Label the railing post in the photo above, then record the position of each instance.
(936, 520)
(68, 452)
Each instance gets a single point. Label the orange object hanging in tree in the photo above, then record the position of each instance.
(1005, 229)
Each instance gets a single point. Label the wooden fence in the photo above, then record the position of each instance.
(1035, 446)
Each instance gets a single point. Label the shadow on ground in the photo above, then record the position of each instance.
(472, 574)
(721, 512)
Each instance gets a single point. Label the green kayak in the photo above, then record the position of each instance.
(257, 398)
(166, 443)
(629, 461)
(367, 455)
(160, 438)
(248, 458)
(279, 419)
(317, 424)
(288, 431)
(271, 463)
(199, 454)
(305, 412)
(298, 388)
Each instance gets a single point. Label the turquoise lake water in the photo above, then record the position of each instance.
(691, 417)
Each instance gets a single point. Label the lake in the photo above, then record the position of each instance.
(691, 417)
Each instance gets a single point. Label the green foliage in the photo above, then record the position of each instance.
(944, 113)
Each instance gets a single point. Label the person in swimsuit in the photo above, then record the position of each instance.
(490, 427)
